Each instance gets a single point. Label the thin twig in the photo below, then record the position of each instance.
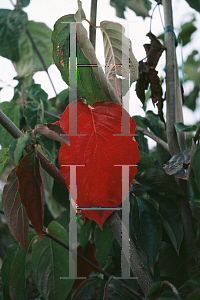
(12, 3)
(174, 289)
(153, 137)
(52, 115)
(49, 235)
(196, 137)
(40, 58)
(93, 14)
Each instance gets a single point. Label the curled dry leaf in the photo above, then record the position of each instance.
(153, 50)
(179, 164)
(148, 74)
(52, 131)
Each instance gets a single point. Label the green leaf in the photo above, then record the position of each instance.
(18, 272)
(4, 158)
(34, 113)
(187, 29)
(84, 234)
(11, 110)
(170, 220)
(170, 264)
(154, 287)
(168, 295)
(99, 289)
(195, 165)
(195, 295)
(160, 181)
(13, 271)
(147, 226)
(152, 121)
(12, 25)
(185, 128)
(91, 81)
(117, 47)
(17, 146)
(6, 267)
(63, 219)
(193, 281)
(194, 4)
(14, 210)
(50, 262)
(37, 94)
(37, 102)
(145, 162)
(103, 242)
(23, 3)
(28, 60)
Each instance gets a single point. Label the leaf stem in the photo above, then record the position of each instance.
(40, 58)
(93, 14)
(153, 137)
(52, 115)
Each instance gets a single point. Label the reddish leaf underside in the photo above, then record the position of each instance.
(31, 189)
(99, 182)
(14, 210)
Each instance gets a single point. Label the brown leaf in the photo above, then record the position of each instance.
(53, 131)
(153, 50)
(143, 81)
(14, 210)
(156, 90)
(31, 189)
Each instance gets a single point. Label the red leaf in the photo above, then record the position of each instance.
(14, 210)
(31, 189)
(99, 182)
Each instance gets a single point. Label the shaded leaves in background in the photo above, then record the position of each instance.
(140, 7)
(187, 29)
(12, 25)
(29, 62)
(99, 289)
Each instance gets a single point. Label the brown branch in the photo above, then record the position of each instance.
(153, 137)
(170, 79)
(93, 14)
